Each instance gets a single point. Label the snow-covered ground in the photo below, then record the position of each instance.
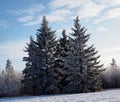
(104, 96)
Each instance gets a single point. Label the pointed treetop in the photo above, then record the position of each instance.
(45, 22)
(9, 65)
(44, 18)
(79, 33)
(77, 19)
(113, 62)
(9, 62)
(29, 44)
(31, 38)
(64, 34)
(78, 25)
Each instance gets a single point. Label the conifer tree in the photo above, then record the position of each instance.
(9, 65)
(46, 48)
(41, 64)
(114, 74)
(62, 72)
(82, 61)
(2, 84)
(111, 77)
(11, 81)
(28, 85)
(94, 70)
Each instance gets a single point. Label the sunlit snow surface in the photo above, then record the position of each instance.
(104, 96)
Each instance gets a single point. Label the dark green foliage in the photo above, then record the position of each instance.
(82, 61)
(63, 66)
(29, 72)
(39, 72)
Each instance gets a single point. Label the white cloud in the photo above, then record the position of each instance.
(90, 10)
(53, 18)
(58, 15)
(114, 13)
(110, 14)
(115, 2)
(25, 18)
(13, 49)
(66, 3)
(34, 22)
(29, 16)
(60, 10)
(36, 8)
(102, 29)
(87, 9)
(83, 8)
(109, 2)
(3, 24)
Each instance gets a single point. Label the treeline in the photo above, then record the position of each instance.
(111, 77)
(9, 81)
(59, 66)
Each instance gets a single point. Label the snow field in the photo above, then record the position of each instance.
(104, 96)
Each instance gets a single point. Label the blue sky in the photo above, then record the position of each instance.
(21, 18)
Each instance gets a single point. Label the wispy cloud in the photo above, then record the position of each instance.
(36, 8)
(109, 2)
(55, 4)
(110, 14)
(13, 49)
(102, 29)
(3, 24)
(91, 10)
(60, 10)
(86, 9)
(101, 10)
(29, 15)
(33, 22)
(32, 15)
(26, 18)
(58, 15)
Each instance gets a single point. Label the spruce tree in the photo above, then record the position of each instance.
(62, 51)
(11, 81)
(8, 65)
(40, 62)
(46, 48)
(111, 77)
(94, 70)
(29, 73)
(82, 62)
(2, 84)
(114, 74)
